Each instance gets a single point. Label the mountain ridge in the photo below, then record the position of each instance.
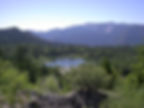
(97, 34)
(16, 36)
(91, 34)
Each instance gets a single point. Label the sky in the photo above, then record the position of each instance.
(49, 14)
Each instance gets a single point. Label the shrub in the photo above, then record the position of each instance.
(88, 77)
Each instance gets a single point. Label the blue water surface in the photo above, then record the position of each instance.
(65, 62)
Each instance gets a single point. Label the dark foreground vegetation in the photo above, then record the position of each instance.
(111, 77)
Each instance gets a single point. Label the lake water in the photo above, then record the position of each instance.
(65, 62)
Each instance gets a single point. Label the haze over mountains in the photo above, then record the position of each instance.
(104, 34)
(16, 36)
(97, 34)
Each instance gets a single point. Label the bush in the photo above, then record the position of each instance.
(50, 84)
(11, 81)
(130, 99)
(88, 77)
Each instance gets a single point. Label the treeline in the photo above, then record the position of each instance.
(20, 71)
(121, 57)
(117, 72)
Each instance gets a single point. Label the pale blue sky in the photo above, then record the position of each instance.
(48, 14)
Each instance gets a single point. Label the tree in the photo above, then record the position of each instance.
(21, 57)
(88, 78)
(138, 68)
(107, 66)
(24, 61)
(11, 81)
(1, 54)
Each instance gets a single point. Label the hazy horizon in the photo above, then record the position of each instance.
(45, 15)
(68, 26)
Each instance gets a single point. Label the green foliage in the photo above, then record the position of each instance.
(11, 81)
(21, 57)
(127, 94)
(44, 71)
(138, 68)
(50, 84)
(28, 70)
(129, 89)
(88, 77)
(1, 53)
(24, 61)
(131, 99)
(107, 66)
(2, 56)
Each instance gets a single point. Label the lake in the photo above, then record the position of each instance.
(65, 62)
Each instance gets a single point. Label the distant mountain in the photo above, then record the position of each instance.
(97, 34)
(15, 36)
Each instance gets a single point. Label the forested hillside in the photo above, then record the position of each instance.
(109, 76)
(16, 36)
